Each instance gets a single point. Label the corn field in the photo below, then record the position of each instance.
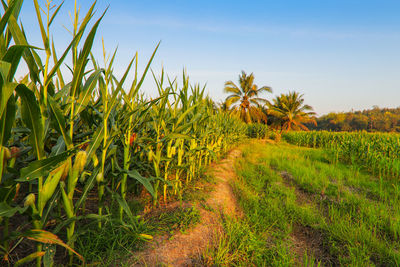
(378, 153)
(65, 140)
(258, 130)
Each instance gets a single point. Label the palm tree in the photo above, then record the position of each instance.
(289, 112)
(245, 98)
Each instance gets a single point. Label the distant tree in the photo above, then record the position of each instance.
(359, 122)
(290, 113)
(244, 99)
(375, 119)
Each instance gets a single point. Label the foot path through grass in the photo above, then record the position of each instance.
(185, 249)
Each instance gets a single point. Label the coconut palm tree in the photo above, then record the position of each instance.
(289, 112)
(245, 98)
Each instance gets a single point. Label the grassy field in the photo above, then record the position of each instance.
(303, 208)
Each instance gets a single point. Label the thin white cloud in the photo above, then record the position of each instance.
(217, 27)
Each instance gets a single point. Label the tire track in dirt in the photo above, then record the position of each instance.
(184, 248)
(305, 239)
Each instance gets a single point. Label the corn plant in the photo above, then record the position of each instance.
(376, 152)
(61, 140)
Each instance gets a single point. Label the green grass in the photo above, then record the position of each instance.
(200, 188)
(112, 245)
(350, 216)
(116, 242)
(168, 222)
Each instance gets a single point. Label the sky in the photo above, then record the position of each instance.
(341, 54)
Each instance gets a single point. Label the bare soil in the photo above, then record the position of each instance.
(310, 241)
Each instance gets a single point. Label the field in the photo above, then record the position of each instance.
(377, 153)
(304, 208)
(94, 173)
(81, 155)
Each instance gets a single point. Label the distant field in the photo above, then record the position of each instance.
(303, 207)
(378, 153)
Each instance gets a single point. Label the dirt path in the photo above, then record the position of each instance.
(185, 247)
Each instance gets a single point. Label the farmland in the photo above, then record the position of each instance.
(304, 208)
(95, 172)
(375, 152)
(72, 150)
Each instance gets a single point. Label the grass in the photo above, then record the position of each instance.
(168, 222)
(111, 245)
(199, 189)
(115, 243)
(302, 209)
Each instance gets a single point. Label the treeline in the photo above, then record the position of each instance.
(376, 119)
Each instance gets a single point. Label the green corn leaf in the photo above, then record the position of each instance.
(123, 204)
(38, 61)
(55, 13)
(121, 82)
(29, 258)
(56, 67)
(184, 128)
(30, 112)
(7, 192)
(7, 120)
(8, 211)
(58, 148)
(88, 17)
(172, 136)
(82, 61)
(45, 237)
(42, 29)
(13, 56)
(68, 205)
(86, 93)
(55, 60)
(19, 39)
(5, 18)
(96, 141)
(132, 91)
(183, 116)
(42, 167)
(110, 64)
(58, 121)
(144, 181)
(6, 92)
(68, 221)
(4, 70)
(111, 103)
(137, 87)
(62, 94)
(88, 186)
(17, 9)
(52, 203)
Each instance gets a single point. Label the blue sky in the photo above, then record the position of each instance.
(341, 54)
